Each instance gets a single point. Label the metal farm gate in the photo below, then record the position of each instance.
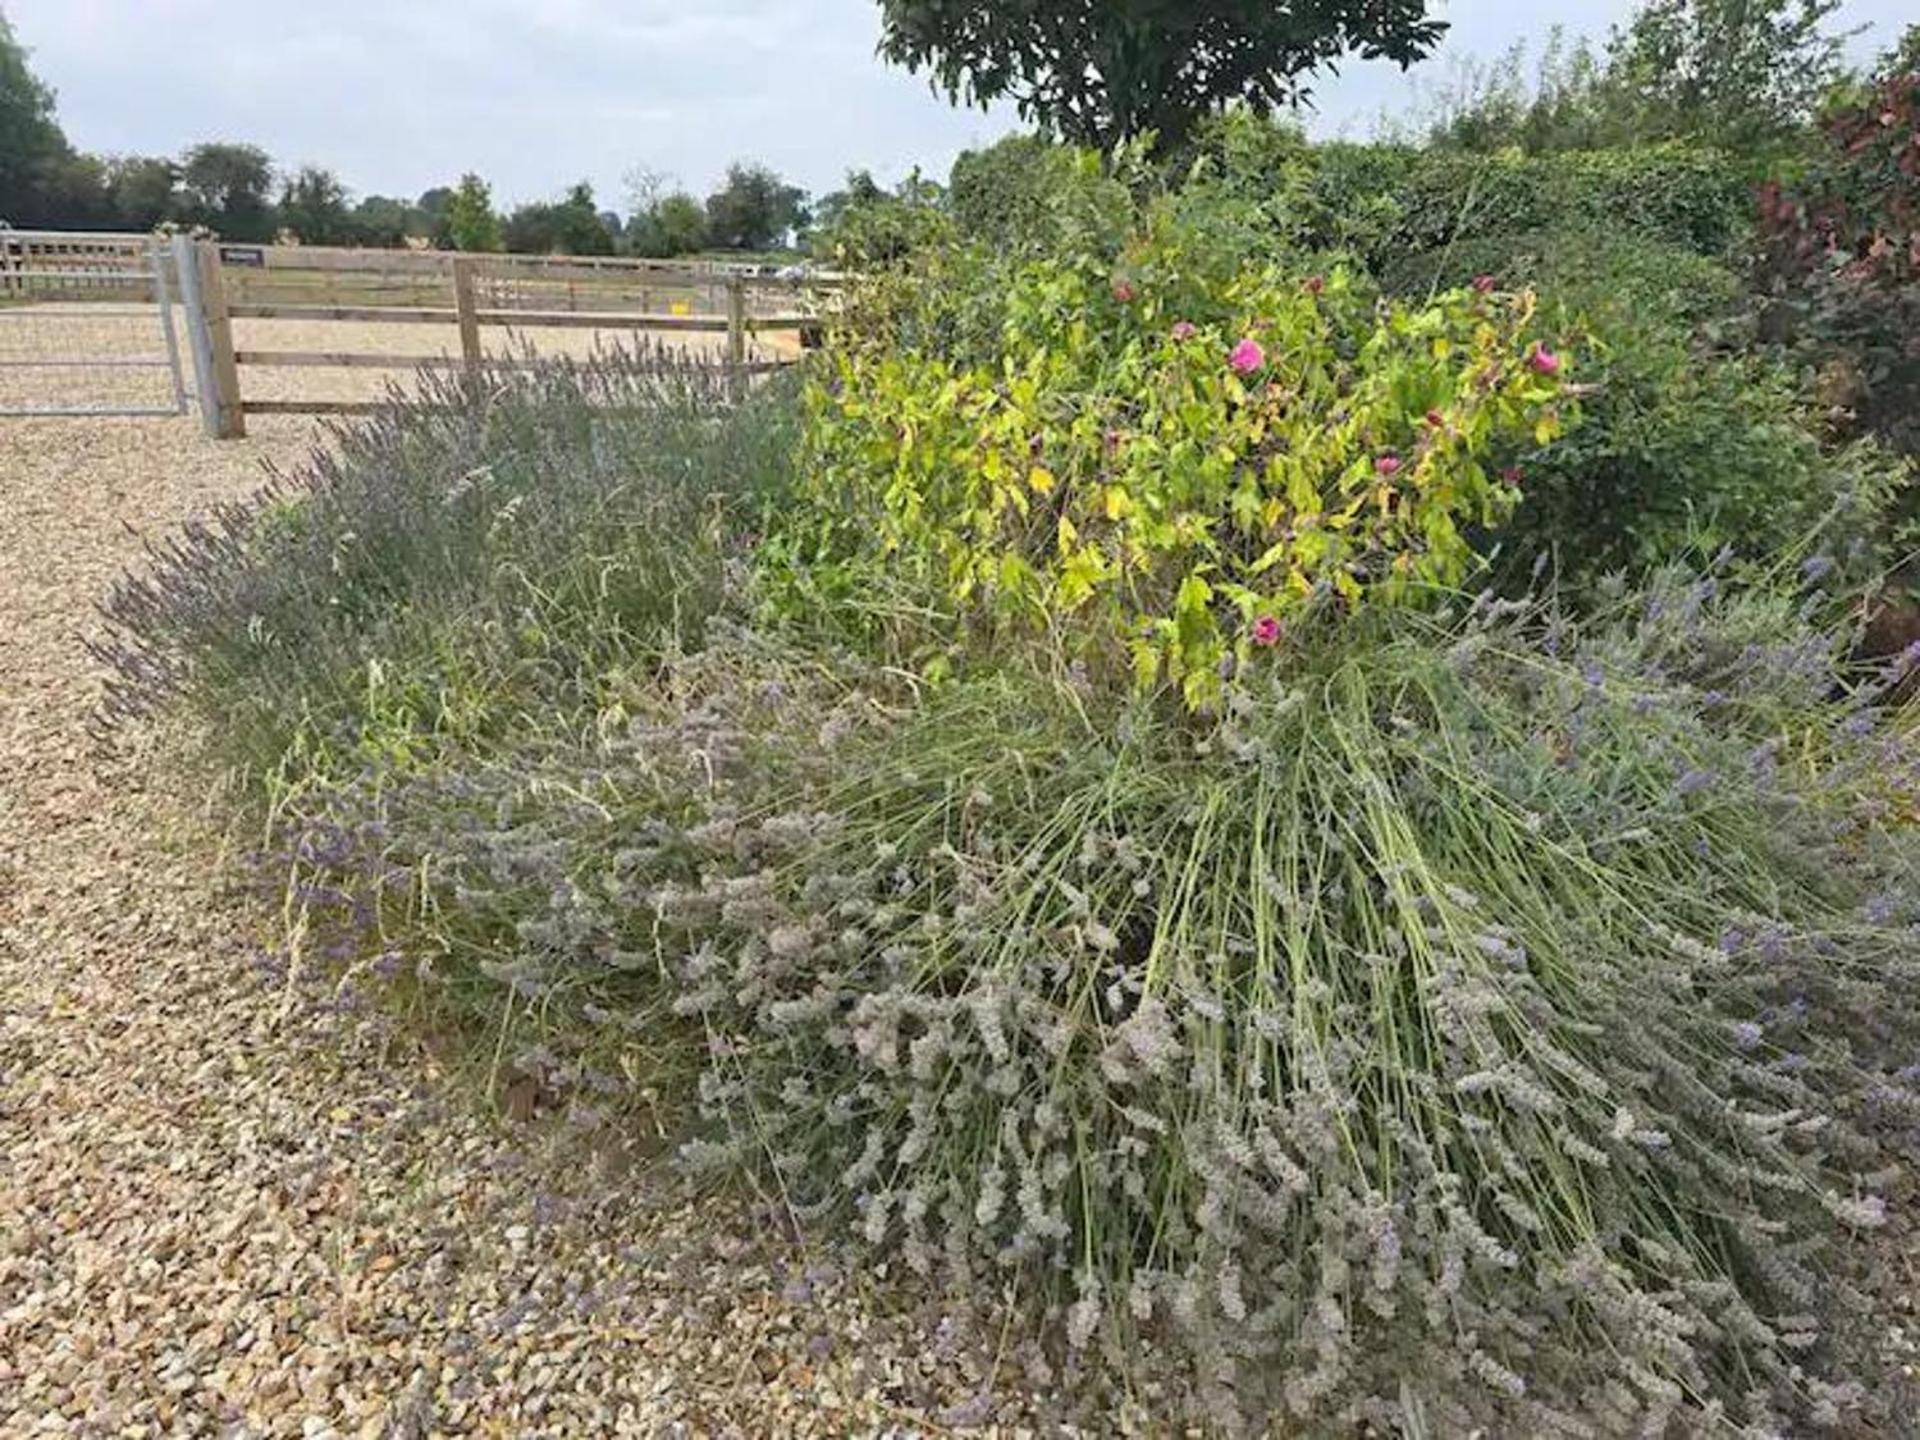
(87, 326)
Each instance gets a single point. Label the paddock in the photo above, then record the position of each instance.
(132, 327)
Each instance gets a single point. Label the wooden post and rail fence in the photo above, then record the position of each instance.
(220, 284)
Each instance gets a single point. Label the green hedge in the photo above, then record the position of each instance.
(1681, 194)
(1381, 203)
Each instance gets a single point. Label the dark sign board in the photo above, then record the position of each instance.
(254, 257)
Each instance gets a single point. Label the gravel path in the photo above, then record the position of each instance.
(219, 1216)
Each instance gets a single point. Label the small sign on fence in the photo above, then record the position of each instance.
(253, 257)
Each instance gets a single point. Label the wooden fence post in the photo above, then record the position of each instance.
(468, 310)
(229, 420)
(737, 334)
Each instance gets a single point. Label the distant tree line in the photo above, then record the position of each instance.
(237, 192)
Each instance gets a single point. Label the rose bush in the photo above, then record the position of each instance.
(1168, 450)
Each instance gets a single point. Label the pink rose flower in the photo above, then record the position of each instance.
(1124, 292)
(1483, 283)
(1388, 465)
(1247, 356)
(1184, 330)
(1266, 631)
(1543, 361)
(1513, 475)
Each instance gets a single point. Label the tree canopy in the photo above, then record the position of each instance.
(754, 209)
(1737, 73)
(1099, 74)
(666, 224)
(314, 206)
(466, 216)
(32, 145)
(865, 225)
(571, 226)
(1743, 75)
(228, 189)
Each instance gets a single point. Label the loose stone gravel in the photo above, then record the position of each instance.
(223, 1214)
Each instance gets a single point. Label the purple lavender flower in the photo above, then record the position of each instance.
(969, 1414)
(1816, 568)
(1747, 1034)
(1693, 782)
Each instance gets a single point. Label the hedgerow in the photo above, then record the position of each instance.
(1675, 193)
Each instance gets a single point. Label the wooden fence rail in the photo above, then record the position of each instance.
(226, 277)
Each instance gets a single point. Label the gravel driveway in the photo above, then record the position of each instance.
(219, 1216)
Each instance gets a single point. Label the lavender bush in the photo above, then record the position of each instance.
(1499, 1022)
(430, 570)
(1496, 1020)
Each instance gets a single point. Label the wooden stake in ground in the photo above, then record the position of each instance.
(468, 310)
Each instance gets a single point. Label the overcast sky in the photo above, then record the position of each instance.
(400, 95)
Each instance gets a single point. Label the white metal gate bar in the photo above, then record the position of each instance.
(42, 271)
